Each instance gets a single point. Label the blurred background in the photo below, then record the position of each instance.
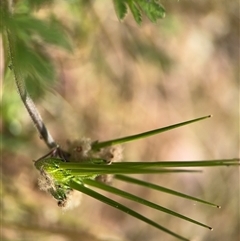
(123, 79)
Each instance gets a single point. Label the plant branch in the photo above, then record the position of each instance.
(26, 99)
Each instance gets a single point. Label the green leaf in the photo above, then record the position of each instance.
(78, 168)
(34, 67)
(99, 145)
(120, 8)
(54, 33)
(36, 4)
(135, 11)
(27, 6)
(26, 27)
(86, 173)
(161, 189)
(29, 40)
(152, 9)
(140, 200)
(78, 186)
(173, 164)
(83, 169)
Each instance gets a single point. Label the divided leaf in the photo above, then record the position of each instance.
(135, 11)
(29, 40)
(31, 29)
(151, 8)
(120, 8)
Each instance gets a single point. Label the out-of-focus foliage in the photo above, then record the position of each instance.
(151, 8)
(31, 39)
(35, 4)
(32, 36)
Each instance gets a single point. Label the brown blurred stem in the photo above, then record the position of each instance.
(26, 99)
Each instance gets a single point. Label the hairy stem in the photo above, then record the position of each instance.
(26, 99)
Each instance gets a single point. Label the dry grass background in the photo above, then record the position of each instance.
(124, 79)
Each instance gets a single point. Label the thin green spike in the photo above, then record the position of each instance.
(98, 145)
(80, 169)
(170, 164)
(110, 202)
(161, 188)
(143, 165)
(139, 200)
(81, 172)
